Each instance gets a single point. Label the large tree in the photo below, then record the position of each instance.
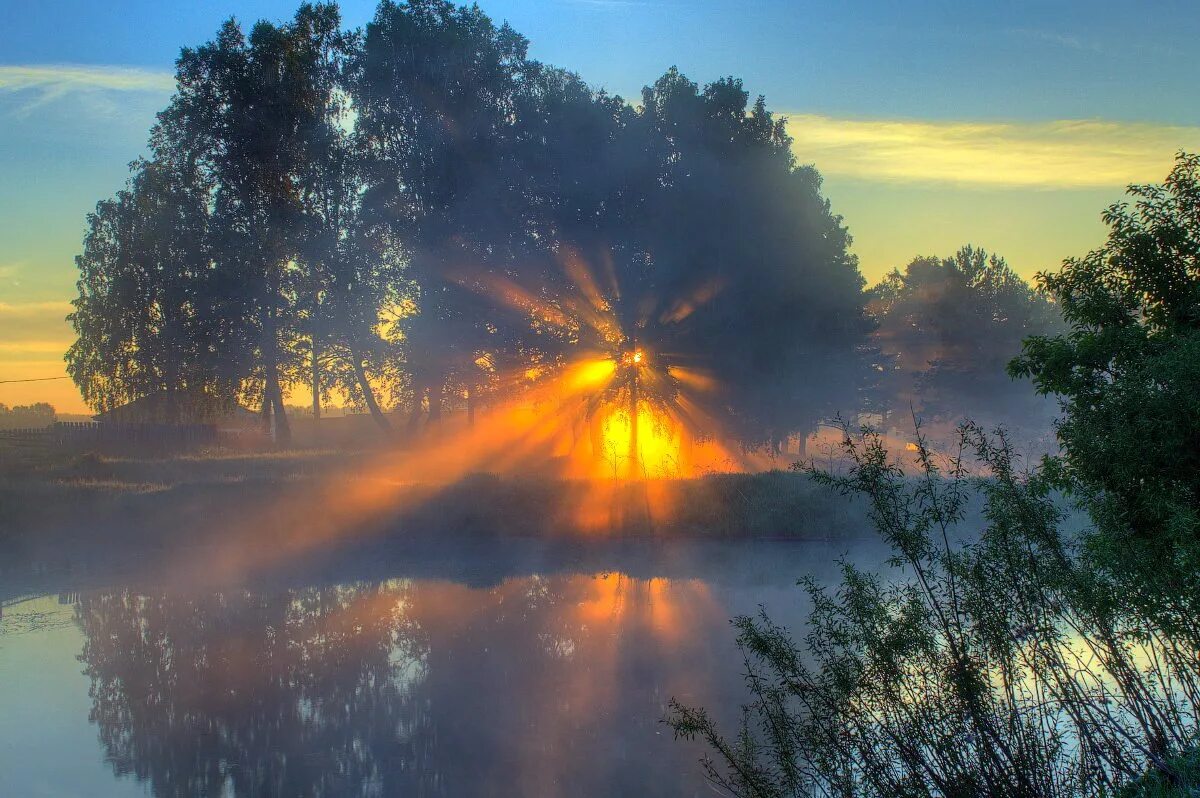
(752, 274)
(252, 111)
(686, 229)
(434, 96)
(1128, 374)
(508, 218)
(145, 317)
(350, 273)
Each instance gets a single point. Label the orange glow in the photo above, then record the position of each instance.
(589, 375)
(566, 421)
(658, 442)
(693, 379)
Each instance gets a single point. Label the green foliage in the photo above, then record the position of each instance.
(1155, 785)
(1128, 372)
(1025, 660)
(996, 665)
(145, 315)
(234, 265)
(419, 208)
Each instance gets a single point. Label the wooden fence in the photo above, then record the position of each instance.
(111, 436)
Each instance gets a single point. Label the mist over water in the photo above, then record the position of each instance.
(518, 669)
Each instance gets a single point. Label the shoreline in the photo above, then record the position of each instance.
(326, 498)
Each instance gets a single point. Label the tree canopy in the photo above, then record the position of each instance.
(1128, 372)
(1016, 651)
(419, 210)
(949, 326)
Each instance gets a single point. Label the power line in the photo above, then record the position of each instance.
(34, 379)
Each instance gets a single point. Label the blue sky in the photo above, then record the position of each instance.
(1009, 125)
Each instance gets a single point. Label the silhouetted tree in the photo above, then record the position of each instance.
(252, 111)
(434, 96)
(708, 247)
(1128, 374)
(145, 317)
(403, 186)
(951, 325)
(38, 414)
(349, 276)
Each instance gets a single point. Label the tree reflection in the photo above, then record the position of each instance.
(293, 693)
(540, 685)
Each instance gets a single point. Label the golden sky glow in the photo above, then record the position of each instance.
(1030, 191)
(1067, 154)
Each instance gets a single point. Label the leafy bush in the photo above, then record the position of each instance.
(997, 665)
(1026, 661)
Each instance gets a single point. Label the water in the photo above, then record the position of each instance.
(504, 669)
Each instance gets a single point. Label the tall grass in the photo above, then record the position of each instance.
(1003, 664)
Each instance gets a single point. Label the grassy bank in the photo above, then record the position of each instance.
(74, 498)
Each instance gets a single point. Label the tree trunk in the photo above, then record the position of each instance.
(633, 422)
(268, 425)
(414, 418)
(272, 393)
(316, 381)
(282, 429)
(470, 406)
(802, 445)
(435, 400)
(368, 394)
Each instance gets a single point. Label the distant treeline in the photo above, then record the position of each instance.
(418, 215)
(35, 415)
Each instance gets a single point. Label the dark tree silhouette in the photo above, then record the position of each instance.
(505, 218)
(251, 111)
(434, 96)
(702, 243)
(145, 316)
(732, 217)
(38, 414)
(1128, 374)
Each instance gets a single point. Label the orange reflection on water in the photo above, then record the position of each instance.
(540, 685)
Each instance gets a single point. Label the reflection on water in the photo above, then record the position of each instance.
(539, 685)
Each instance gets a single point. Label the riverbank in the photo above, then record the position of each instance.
(316, 495)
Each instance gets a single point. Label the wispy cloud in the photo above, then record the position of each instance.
(24, 310)
(25, 322)
(45, 83)
(1059, 154)
(32, 351)
(75, 77)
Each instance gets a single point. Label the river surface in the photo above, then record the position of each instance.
(501, 669)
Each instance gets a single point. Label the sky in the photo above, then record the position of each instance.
(1007, 125)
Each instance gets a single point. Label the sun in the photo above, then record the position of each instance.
(658, 443)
